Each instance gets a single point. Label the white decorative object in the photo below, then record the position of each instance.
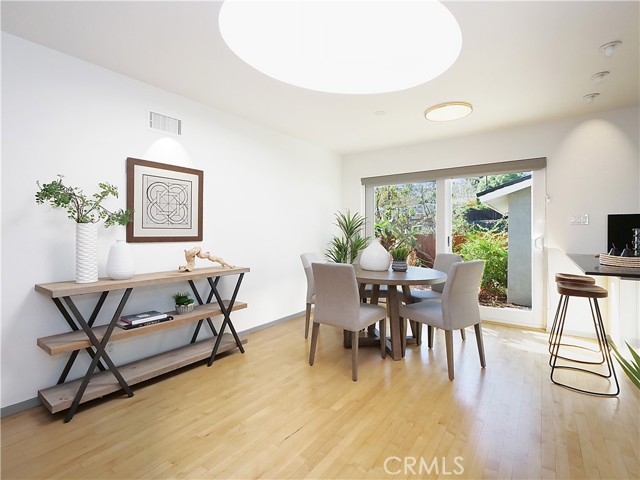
(86, 252)
(375, 257)
(120, 264)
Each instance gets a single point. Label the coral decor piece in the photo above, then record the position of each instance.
(190, 256)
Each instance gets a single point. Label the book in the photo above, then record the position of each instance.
(127, 326)
(143, 317)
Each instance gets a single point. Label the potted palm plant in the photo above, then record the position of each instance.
(86, 211)
(344, 249)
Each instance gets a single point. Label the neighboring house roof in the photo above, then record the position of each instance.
(497, 197)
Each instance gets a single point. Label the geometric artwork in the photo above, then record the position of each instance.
(167, 202)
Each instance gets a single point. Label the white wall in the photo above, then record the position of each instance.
(268, 198)
(593, 167)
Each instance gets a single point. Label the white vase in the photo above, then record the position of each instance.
(375, 257)
(120, 264)
(86, 252)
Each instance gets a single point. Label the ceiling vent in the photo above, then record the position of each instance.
(157, 121)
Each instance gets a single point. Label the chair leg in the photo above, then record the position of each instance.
(354, 356)
(429, 336)
(383, 338)
(314, 341)
(307, 320)
(463, 334)
(478, 328)
(448, 338)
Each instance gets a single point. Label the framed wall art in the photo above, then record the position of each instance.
(166, 200)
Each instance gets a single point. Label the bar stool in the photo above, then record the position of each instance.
(553, 334)
(593, 293)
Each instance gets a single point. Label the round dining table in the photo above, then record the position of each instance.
(413, 276)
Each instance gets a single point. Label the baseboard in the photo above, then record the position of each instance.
(34, 402)
(19, 407)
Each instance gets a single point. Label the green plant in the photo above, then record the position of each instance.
(345, 249)
(401, 252)
(79, 207)
(631, 368)
(492, 247)
(182, 298)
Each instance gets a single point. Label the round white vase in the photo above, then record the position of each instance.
(120, 264)
(86, 252)
(375, 257)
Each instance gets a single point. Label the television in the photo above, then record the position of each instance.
(619, 229)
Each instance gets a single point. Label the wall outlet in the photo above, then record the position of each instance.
(109, 347)
(579, 219)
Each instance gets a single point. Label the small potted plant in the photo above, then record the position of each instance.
(184, 303)
(399, 254)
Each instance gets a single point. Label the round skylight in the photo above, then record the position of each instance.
(343, 46)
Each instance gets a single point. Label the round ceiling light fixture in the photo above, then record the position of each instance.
(448, 111)
(347, 46)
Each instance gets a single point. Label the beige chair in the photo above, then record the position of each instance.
(338, 303)
(307, 260)
(443, 263)
(457, 309)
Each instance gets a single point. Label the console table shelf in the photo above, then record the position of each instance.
(60, 397)
(78, 340)
(84, 336)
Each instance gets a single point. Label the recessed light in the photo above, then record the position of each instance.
(590, 97)
(352, 47)
(609, 48)
(599, 77)
(448, 111)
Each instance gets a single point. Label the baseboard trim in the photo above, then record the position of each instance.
(34, 402)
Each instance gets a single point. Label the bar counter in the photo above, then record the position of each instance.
(590, 265)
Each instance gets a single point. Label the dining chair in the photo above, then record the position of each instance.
(442, 263)
(337, 303)
(457, 309)
(307, 260)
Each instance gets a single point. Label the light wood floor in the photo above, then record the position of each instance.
(268, 414)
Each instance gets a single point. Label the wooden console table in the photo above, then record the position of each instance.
(111, 378)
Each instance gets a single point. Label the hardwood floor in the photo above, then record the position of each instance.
(268, 414)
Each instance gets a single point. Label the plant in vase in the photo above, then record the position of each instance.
(86, 211)
(184, 303)
(345, 249)
(630, 367)
(399, 253)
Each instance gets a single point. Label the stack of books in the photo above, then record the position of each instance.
(143, 319)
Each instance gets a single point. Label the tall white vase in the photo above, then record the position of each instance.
(375, 257)
(120, 264)
(86, 252)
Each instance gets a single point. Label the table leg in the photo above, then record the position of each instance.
(99, 346)
(226, 311)
(213, 284)
(393, 307)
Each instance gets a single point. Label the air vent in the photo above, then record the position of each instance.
(157, 121)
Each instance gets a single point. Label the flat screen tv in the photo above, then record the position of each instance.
(619, 229)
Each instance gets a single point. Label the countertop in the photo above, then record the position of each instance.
(590, 265)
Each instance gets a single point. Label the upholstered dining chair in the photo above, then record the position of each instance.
(307, 260)
(442, 263)
(458, 308)
(337, 303)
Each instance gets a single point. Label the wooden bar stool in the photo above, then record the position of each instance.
(553, 334)
(593, 293)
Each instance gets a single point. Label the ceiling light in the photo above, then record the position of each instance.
(590, 97)
(599, 77)
(609, 48)
(351, 46)
(448, 111)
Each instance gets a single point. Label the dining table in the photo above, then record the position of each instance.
(414, 276)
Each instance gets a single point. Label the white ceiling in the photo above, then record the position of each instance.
(521, 63)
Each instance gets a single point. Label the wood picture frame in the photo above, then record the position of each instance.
(167, 201)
